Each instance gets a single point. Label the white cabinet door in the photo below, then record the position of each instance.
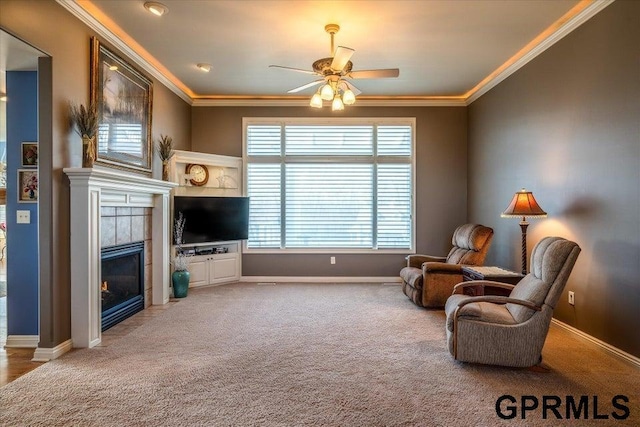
(198, 271)
(224, 268)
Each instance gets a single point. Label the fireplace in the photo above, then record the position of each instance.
(91, 190)
(122, 282)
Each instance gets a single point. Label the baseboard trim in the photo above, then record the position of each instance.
(608, 347)
(319, 279)
(22, 341)
(47, 354)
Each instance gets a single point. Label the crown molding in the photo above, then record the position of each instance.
(585, 10)
(304, 102)
(83, 15)
(574, 22)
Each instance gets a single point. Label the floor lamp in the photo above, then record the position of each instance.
(524, 205)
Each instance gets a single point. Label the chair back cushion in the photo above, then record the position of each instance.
(552, 260)
(471, 243)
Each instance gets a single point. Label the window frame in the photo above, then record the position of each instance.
(282, 121)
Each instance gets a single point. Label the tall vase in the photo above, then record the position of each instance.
(165, 170)
(180, 280)
(88, 151)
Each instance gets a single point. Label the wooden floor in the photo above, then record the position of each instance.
(15, 362)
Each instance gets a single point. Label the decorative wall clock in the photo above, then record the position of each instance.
(199, 174)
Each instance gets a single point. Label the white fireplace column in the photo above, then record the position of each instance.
(91, 189)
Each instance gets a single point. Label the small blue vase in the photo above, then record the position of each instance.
(180, 280)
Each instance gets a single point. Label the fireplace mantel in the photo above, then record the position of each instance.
(92, 189)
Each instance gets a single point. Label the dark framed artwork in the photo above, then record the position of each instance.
(29, 154)
(123, 97)
(27, 185)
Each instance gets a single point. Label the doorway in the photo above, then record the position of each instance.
(16, 58)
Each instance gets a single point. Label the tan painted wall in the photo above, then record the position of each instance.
(441, 183)
(50, 28)
(567, 127)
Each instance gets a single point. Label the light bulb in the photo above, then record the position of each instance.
(316, 101)
(337, 104)
(348, 97)
(326, 92)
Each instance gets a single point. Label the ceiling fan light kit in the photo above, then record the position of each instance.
(335, 71)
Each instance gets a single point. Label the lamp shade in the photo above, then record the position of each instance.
(524, 204)
(316, 101)
(349, 98)
(337, 104)
(326, 92)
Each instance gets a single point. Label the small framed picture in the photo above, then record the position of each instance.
(29, 154)
(27, 185)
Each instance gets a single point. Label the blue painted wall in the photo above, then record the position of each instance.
(22, 239)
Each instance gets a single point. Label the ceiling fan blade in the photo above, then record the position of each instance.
(341, 57)
(374, 74)
(300, 70)
(308, 85)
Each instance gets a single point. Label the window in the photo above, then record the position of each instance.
(340, 184)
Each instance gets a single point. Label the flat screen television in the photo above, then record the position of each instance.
(213, 219)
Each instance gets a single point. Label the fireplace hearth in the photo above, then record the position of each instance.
(122, 282)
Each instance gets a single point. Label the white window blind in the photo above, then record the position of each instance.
(329, 185)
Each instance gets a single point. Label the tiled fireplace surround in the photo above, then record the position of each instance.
(110, 207)
(120, 225)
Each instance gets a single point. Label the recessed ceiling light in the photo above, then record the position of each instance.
(204, 67)
(156, 8)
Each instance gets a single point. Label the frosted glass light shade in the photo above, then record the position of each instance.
(337, 104)
(326, 92)
(348, 97)
(316, 101)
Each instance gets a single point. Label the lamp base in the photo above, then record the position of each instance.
(523, 226)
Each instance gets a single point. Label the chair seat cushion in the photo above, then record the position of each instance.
(477, 311)
(412, 276)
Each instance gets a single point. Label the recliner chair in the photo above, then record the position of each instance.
(429, 280)
(510, 331)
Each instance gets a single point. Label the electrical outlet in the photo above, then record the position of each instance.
(572, 299)
(23, 217)
(333, 260)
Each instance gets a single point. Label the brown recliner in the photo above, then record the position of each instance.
(510, 331)
(429, 280)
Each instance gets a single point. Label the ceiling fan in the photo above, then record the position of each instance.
(334, 72)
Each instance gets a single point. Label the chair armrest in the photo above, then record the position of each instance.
(441, 267)
(481, 284)
(497, 300)
(417, 260)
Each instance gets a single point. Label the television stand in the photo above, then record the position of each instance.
(214, 264)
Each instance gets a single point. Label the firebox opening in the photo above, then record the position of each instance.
(122, 282)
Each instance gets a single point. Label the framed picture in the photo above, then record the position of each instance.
(29, 154)
(123, 97)
(27, 185)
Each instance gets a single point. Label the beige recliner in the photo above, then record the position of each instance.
(429, 280)
(510, 331)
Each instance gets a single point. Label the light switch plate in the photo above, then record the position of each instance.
(23, 217)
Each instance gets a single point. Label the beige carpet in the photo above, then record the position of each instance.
(303, 355)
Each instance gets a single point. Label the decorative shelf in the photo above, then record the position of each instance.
(225, 174)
